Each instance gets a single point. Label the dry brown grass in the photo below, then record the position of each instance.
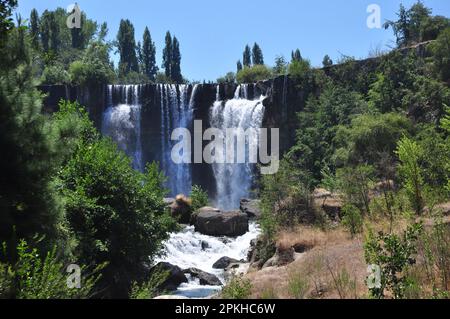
(329, 254)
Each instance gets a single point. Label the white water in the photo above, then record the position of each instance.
(184, 249)
(122, 123)
(234, 181)
(176, 112)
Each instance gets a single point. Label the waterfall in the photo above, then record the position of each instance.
(233, 180)
(176, 112)
(122, 122)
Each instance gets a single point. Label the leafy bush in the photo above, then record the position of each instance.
(93, 68)
(410, 154)
(300, 70)
(253, 74)
(55, 74)
(34, 277)
(393, 254)
(149, 289)
(237, 288)
(352, 219)
(199, 198)
(117, 218)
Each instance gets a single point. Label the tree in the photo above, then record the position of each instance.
(247, 57)
(176, 62)
(103, 32)
(327, 62)
(238, 66)
(149, 56)
(127, 48)
(253, 74)
(34, 28)
(168, 56)
(28, 200)
(441, 55)
(280, 65)
(409, 28)
(410, 154)
(296, 56)
(6, 22)
(257, 55)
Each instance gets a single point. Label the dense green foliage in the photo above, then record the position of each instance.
(199, 198)
(67, 195)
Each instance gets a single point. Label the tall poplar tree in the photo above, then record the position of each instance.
(127, 48)
(247, 57)
(257, 55)
(176, 62)
(149, 56)
(167, 56)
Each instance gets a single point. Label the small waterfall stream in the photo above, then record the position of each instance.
(122, 122)
(234, 180)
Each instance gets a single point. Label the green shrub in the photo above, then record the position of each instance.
(298, 285)
(394, 255)
(237, 288)
(34, 277)
(253, 74)
(410, 154)
(352, 219)
(149, 289)
(199, 198)
(55, 74)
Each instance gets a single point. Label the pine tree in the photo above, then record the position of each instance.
(127, 48)
(167, 56)
(239, 66)
(176, 62)
(148, 58)
(258, 58)
(296, 56)
(327, 61)
(247, 57)
(34, 28)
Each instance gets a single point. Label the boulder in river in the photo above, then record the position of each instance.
(251, 207)
(175, 276)
(206, 279)
(224, 262)
(213, 222)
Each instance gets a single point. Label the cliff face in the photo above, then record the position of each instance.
(283, 101)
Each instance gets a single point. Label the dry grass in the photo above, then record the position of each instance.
(319, 272)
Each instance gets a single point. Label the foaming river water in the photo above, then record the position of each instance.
(190, 249)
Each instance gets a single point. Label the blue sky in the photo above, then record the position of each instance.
(213, 33)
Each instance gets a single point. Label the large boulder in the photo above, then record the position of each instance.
(181, 209)
(251, 207)
(213, 222)
(175, 276)
(224, 262)
(206, 279)
(282, 257)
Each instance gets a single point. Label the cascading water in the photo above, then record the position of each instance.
(189, 249)
(122, 122)
(176, 112)
(234, 180)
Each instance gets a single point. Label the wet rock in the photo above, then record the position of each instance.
(205, 245)
(224, 262)
(175, 276)
(213, 222)
(206, 279)
(251, 207)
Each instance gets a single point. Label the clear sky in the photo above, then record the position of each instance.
(213, 33)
